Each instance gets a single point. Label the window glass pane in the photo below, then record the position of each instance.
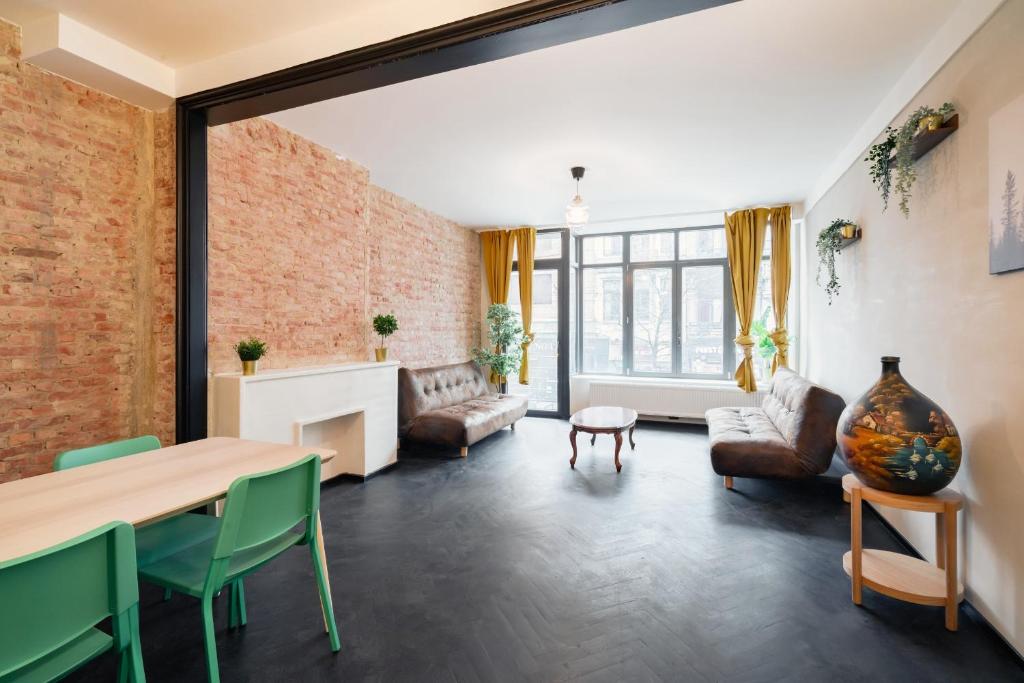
(652, 320)
(658, 246)
(702, 305)
(548, 245)
(602, 249)
(601, 326)
(767, 242)
(764, 316)
(709, 243)
(542, 391)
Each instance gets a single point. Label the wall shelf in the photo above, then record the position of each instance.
(847, 241)
(926, 141)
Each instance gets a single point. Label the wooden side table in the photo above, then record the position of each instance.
(901, 576)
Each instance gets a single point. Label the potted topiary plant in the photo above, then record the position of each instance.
(506, 335)
(384, 325)
(828, 244)
(249, 352)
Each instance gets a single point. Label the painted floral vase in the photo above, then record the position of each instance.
(895, 438)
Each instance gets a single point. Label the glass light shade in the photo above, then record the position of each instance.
(577, 213)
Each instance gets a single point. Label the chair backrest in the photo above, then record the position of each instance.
(424, 389)
(262, 507)
(806, 415)
(106, 451)
(52, 596)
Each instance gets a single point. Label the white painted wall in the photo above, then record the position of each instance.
(920, 289)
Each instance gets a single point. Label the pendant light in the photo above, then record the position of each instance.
(577, 213)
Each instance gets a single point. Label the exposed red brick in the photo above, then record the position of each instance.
(86, 268)
(304, 251)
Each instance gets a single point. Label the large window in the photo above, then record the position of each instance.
(659, 303)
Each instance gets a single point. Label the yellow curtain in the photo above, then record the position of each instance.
(497, 247)
(781, 219)
(744, 238)
(526, 241)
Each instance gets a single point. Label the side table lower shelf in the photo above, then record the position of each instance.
(902, 577)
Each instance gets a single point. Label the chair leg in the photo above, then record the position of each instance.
(137, 673)
(325, 597)
(464, 451)
(728, 482)
(210, 640)
(233, 606)
(167, 594)
(242, 620)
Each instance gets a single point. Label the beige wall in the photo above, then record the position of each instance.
(920, 289)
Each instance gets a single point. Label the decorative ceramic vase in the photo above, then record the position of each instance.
(895, 438)
(381, 353)
(249, 367)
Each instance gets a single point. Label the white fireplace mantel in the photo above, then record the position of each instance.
(352, 408)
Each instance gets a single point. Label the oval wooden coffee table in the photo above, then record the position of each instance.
(603, 420)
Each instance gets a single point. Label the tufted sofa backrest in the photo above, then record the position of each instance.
(425, 389)
(806, 415)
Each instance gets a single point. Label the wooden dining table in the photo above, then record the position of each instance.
(42, 511)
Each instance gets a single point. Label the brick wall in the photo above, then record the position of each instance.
(304, 250)
(87, 255)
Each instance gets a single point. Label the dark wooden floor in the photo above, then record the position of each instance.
(509, 566)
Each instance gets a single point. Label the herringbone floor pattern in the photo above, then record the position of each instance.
(510, 566)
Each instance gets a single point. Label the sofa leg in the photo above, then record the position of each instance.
(728, 482)
(464, 451)
(513, 426)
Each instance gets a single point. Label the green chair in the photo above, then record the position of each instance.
(261, 513)
(51, 601)
(155, 540)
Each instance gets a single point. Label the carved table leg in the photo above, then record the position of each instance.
(632, 445)
(593, 438)
(618, 446)
(572, 440)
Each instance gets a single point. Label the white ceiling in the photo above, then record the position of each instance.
(738, 105)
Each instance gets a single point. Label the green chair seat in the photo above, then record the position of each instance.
(65, 659)
(186, 570)
(170, 536)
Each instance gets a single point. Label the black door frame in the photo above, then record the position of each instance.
(561, 267)
(502, 33)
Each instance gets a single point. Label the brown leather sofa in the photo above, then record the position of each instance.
(452, 405)
(792, 435)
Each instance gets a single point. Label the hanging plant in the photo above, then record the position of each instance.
(905, 172)
(879, 156)
(828, 243)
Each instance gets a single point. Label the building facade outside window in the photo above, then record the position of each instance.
(659, 303)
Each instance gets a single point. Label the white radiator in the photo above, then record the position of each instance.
(677, 400)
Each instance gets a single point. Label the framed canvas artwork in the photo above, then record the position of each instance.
(1006, 188)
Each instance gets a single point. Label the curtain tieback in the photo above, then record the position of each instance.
(747, 342)
(527, 340)
(780, 337)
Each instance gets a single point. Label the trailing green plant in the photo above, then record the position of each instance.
(385, 325)
(892, 159)
(879, 156)
(506, 336)
(828, 243)
(251, 349)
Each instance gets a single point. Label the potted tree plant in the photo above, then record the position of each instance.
(384, 325)
(506, 336)
(249, 352)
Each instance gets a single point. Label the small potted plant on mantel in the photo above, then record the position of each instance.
(249, 352)
(384, 325)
